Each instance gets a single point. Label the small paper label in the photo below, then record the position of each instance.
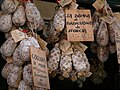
(117, 39)
(39, 68)
(98, 4)
(108, 19)
(80, 46)
(64, 2)
(84, 47)
(68, 52)
(17, 35)
(64, 45)
(79, 25)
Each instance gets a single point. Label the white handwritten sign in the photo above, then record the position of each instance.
(79, 25)
(39, 68)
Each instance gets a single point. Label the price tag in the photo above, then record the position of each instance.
(79, 25)
(98, 4)
(108, 19)
(64, 2)
(68, 52)
(17, 35)
(64, 45)
(117, 39)
(39, 68)
(84, 47)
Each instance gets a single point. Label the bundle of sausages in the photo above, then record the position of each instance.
(18, 69)
(104, 33)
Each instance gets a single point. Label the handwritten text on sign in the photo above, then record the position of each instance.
(39, 68)
(79, 25)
